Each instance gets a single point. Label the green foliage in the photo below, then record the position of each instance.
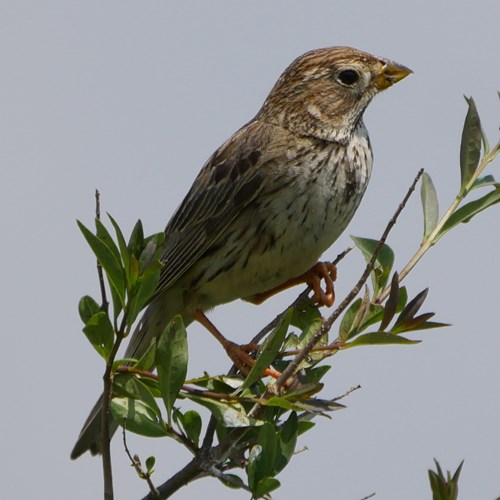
(172, 362)
(444, 487)
(255, 419)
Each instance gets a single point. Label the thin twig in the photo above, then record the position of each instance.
(327, 323)
(136, 463)
(106, 412)
(371, 495)
(100, 273)
(346, 393)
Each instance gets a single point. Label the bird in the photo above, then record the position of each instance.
(269, 201)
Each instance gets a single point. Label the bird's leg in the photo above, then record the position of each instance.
(320, 271)
(238, 355)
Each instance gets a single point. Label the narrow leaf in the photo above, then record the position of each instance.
(287, 440)
(107, 259)
(464, 214)
(411, 309)
(227, 414)
(379, 338)
(487, 180)
(103, 234)
(171, 362)
(122, 245)
(391, 304)
(383, 263)
(269, 351)
(470, 147)
(430, 204)
(268, 441)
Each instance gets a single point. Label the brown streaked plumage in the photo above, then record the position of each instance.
(271, 199)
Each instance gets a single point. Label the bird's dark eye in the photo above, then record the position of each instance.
(348, 77)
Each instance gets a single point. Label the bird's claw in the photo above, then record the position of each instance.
(322, 271)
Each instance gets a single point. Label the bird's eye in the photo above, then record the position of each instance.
(348, 77)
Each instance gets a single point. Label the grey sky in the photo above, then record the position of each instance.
(132, 98)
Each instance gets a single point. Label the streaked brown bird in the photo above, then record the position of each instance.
(270, 200)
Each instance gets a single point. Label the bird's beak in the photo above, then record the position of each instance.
(390, 74)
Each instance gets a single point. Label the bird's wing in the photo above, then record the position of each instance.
(230, 180)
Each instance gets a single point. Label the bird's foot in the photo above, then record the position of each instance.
(325, 271)
(238, 354)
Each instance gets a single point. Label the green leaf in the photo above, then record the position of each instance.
(464, 214)
(350, 325)
(269, 351)
(287, 440)
(191, 423)
(261, 461)
(305, 424)
(147, 360)
(408, 313)
(268, 441)
(391, 304)
(379, 338)
(470, 147)
(231, 481)
(444, 487)
(150, 464)
(87, 307)
(136, 241)
(487, 180)
(143, 294)
(137, 417)
(172, 362)
(319, 406)
(103, 234)
(121, 244)
(307, 318)
(361, 315)
(383, 263)
(108, 261)
(130, 386)
(227, 414)
(347, 320)
(265, 487)
(281, 402)
(430, 204)
(100, 333)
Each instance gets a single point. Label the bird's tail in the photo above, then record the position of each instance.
(150, 326)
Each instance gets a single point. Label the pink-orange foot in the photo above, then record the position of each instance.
(237, 354)
(325, 271)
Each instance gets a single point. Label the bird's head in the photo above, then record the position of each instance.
(324, 93)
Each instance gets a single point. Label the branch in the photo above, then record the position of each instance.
(136, 463)
(327, 323)
(100, 274)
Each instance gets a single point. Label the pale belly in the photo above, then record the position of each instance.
(283, 235)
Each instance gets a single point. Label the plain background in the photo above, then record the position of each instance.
(131, 98)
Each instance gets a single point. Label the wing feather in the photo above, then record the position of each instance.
(229, 181)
